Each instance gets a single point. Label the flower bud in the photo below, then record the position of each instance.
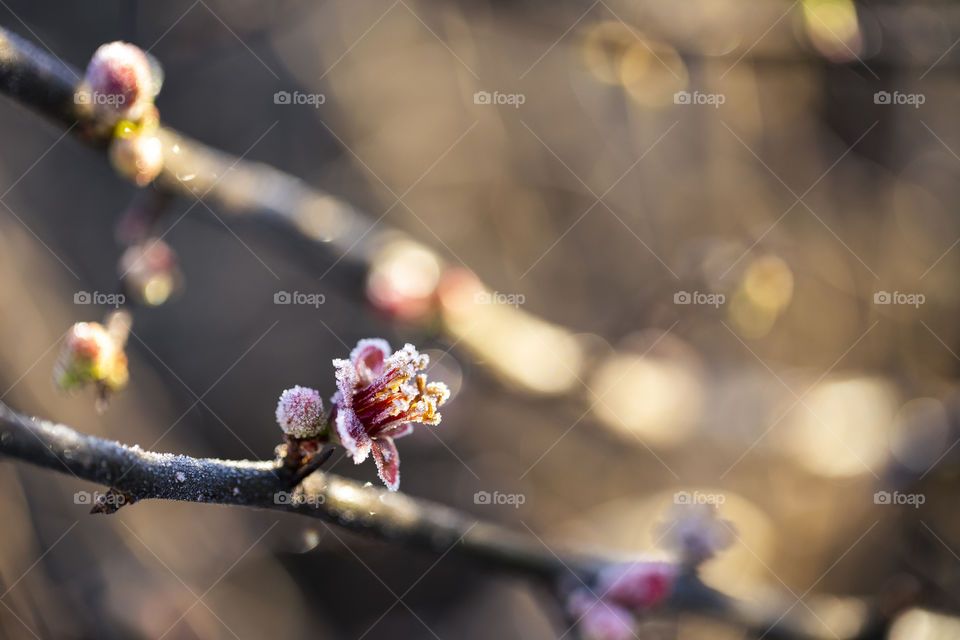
(90, 354)
(119, 81)
(136, 154)
(638, 586)
(300, 412)
(150, 272)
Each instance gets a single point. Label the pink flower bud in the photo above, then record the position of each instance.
(149, 271)
(300, 412)
(137, 156)
(119, 81)
(638, 586)
(90, 354)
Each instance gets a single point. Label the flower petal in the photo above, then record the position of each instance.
(353, 436)
(388, 461)
(368, 358)
(401, 430)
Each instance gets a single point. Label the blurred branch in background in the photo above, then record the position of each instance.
(241, 187)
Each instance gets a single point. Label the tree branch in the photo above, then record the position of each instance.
(141, 475)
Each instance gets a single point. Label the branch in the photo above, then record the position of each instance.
(141, 475)
(192, 169)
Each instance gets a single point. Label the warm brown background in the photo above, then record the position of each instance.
(711, 206)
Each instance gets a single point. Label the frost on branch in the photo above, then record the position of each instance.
(379, 398)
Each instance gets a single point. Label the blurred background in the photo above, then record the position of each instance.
(720, 259)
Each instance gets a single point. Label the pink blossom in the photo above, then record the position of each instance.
(638, 586)
(377, 402)
(300, 412)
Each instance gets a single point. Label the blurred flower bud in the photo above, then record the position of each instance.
(119, 82)
(136, 154)
(695, 532)
(403, 279)
(150, 272)
(639, 585)
(300, 412)
(91, 354)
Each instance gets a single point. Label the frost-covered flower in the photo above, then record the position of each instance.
(300, 412)
(695, 532)
(599, 619)
(380, 396)
(119, 81)
(638, 586)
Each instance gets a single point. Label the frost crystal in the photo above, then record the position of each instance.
(300, 412)
(380, 395)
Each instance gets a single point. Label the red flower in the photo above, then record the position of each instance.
(380, 397)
